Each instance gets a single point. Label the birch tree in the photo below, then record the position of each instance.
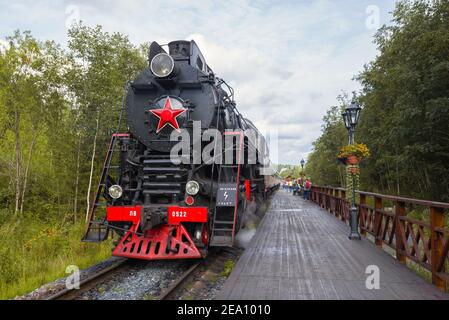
(103, 63)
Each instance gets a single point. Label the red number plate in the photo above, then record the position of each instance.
(131, 214)
(176, 215)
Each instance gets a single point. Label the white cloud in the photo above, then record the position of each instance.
(287, 61)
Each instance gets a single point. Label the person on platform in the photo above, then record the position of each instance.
(307, 188)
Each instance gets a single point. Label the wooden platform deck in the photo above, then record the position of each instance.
(301, 252)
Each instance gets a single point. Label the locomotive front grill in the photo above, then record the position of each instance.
(162, 180)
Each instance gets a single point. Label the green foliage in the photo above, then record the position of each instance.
(290, 171)
(58, 109)
(228, 267)
(55, 105)
(352, 181)
(407, 103)
(34, 253)
(406, 108)
(322, 165)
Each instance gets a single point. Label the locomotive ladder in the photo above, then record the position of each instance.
(225, 215)
(97, 230)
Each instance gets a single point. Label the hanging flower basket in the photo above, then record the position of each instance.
(354, 170)
(353, 154)
(352, 160)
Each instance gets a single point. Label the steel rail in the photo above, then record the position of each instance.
(167, 293)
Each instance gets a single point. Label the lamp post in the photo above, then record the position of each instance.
(303, 162)
(351, 118)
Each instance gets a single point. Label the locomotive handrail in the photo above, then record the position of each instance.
(424, 241)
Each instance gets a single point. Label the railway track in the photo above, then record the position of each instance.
(198, 272)
(197, 269)
(95, 279)
(178, 283)
(89, 282)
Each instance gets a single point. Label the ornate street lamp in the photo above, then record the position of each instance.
(303, 162)
(346, 119)
(351, 118)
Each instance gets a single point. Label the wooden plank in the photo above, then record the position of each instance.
(400, 232)
(378, 221)
(436, 221)
(301, 252)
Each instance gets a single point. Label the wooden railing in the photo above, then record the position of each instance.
(388, 219)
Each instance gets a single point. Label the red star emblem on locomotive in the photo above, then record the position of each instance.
(167, 116)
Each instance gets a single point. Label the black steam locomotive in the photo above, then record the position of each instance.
(182, 178)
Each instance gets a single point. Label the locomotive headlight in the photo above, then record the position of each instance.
(162, 65)
(115, 191)
(192, 188)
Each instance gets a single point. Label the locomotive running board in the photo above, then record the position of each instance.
(161, 243)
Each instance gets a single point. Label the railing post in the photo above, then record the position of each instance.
(343, 206)
(378, 221)
(332, 201)
(338, 204)
(323, 197)
(362, 215)
(399, 212)
(436, 221)
(326, 190)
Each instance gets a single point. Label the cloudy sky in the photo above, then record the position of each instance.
(287, 60)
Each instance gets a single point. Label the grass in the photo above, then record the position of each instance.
(189, 286)
(228, 267)
(421, 271)
(34, 253)
(212, 277)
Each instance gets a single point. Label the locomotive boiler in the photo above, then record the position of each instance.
(183, 175)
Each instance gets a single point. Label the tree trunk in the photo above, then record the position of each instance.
(420, 179)
(77, 179)
(428, 182)
(18, 156)
(388, 177)
(397, 175)
(27, 168)
(92, 167)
